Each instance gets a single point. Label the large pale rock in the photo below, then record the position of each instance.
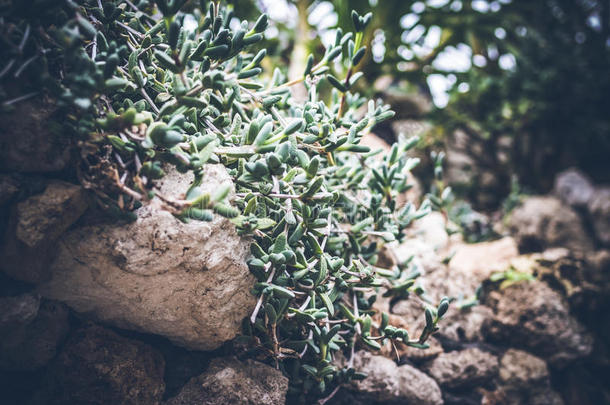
(573, 188)
(464, 368)
(188, 282)
(98, 367)
(599, 211)
(230, 381)
(480, 260)
(532, 316)
(35, 225)
(30, 331)
(432, 230)
(388, 382)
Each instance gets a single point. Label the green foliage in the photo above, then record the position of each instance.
(509, 277)
(187, 89)
(551, 105)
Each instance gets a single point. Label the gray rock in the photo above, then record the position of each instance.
(27, 144)
(533, 317)
(188, 282)
(30, 331)
(230, 381)
(573, 188)
(543, 222)
(599, 211)
(18, 310)
(519, 368)
(8, 188)
(388, 382)
(48, 215)
(469, 267)
(465, 325)
(34, 227)
(97, 366)
(524, 379)
(464, 368)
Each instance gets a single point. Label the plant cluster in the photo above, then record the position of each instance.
(185, 89)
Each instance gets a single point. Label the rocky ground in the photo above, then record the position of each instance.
(100, 312)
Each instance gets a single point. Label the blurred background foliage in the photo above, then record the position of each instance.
(519, 88)
(513, 90)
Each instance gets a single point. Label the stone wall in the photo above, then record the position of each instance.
(96, 311)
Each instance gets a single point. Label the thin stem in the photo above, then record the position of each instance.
(20, 98)
(128, 28)
(260, 299)
(152, 104)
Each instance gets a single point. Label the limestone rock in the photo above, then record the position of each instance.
(532, 316)
(599, 211)
(573, 188)
(388, 382)
(97, 366)
(431, 229)
(35, 225)
(543, 222)
(30, 331)
(188, 282)
(480, 260)
(230, 381)
(464, 368)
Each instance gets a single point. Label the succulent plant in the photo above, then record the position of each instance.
(146, 91)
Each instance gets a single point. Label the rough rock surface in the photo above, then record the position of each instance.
(465, 325)
(431, 230)
(478, 261)
(8, 188)
(599, 210)
(388, 382)
(230, 381)
(462, 369)
(188, 282)
(390, 349)
(30, 331)
(543, 222)
(97, 366)
(573, 188)
(469, 267)
(35, 226)
(524, 379)
(19, 309)
(27, 144)
(532, 316)
(518, 368)
(48, 215)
